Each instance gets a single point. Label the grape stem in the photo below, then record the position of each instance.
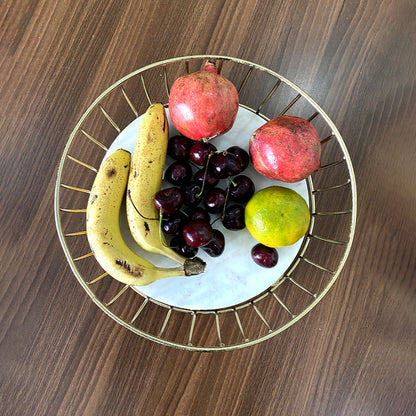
(184, 213)
(211, 153)
(226, 198)
(231, 181)
(162, 240)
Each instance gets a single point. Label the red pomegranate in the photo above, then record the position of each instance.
(203, 104)
(286, 148)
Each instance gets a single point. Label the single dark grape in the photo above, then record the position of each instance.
(264, 256)
(197, 233)
(206, 175)
(242, 156)
(241, 189)
(178, 173)
(178, 147)
(198, 213)
(216, 245)
(225, 164)
(200, 151)
(233, 218)
(168, 200)
(234, 166)
(178, 244)
(214, 200)
(192, 193)
(172, 224)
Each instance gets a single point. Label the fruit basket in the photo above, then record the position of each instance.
(243, 305)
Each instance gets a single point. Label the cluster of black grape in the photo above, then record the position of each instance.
(197, 194)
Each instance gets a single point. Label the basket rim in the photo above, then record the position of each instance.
(191, 347)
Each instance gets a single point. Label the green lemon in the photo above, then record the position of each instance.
(277, 216)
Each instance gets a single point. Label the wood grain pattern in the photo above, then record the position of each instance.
(353, 354)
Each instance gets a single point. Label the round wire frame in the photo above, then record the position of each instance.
(325, 248)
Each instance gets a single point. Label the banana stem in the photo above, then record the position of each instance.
(194, 266)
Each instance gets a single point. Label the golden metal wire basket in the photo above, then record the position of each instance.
(319, 261)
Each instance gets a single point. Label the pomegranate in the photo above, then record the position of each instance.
(286, 148)
(203, 104)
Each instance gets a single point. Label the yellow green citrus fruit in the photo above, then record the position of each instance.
(277, 216)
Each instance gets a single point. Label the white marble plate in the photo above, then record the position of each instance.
(233, 277)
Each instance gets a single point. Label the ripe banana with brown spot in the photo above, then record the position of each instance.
(145, 180)
(104, 233)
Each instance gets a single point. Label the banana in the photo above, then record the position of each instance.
(104, 234)
(145, 180)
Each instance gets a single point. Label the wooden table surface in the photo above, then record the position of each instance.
(353, 354)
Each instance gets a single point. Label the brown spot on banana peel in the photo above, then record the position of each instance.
(135, 271)
(111, 172)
